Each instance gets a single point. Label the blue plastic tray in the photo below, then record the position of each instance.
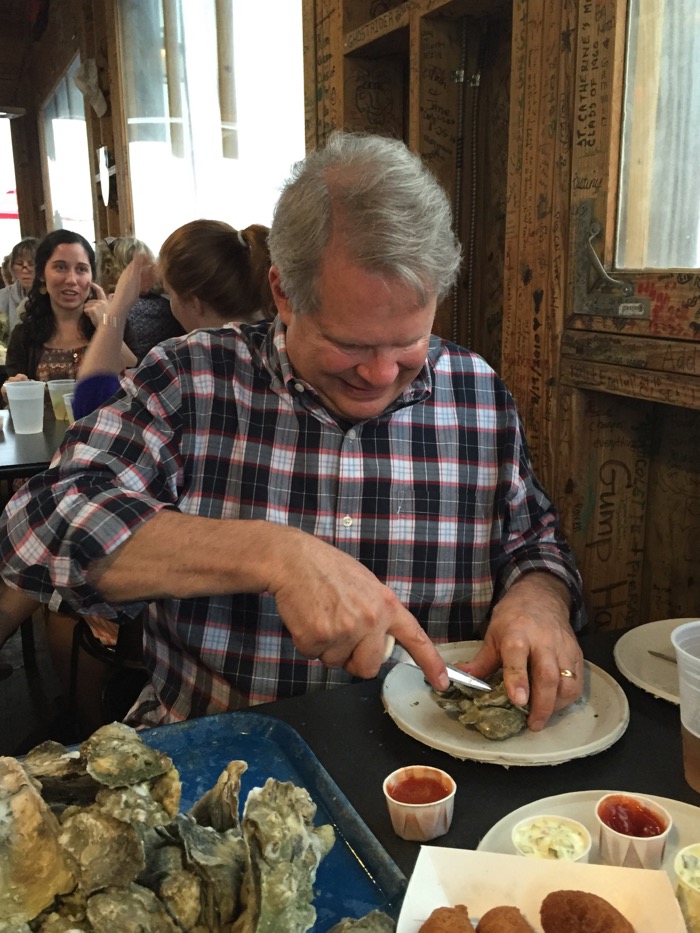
(357, 875)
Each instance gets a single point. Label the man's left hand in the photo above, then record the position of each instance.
(530, 637)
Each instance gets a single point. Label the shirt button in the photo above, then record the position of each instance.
(347, 521)
(352, 434)
(298, 386)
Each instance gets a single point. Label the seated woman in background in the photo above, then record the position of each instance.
(49, 343)
(150, 318)
(21, 263)
(50, 340)
(7, 277)
(213, 274)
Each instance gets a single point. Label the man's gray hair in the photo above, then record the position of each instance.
(392, 214)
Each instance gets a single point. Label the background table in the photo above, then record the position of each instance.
(27, 454)
(22, 456)
(359, 744)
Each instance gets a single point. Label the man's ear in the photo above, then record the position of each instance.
(284, 308)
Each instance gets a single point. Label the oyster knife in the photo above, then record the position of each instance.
(398, 653)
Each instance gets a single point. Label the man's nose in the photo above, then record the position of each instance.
(380, 369)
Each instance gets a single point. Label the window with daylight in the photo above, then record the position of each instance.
(658, 220)
(214, 106)
(64, 138)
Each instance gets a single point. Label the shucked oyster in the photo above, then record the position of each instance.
(284, 850)
(492, 713)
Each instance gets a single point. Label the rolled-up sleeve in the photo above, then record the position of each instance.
(115, 470)
(533, 540)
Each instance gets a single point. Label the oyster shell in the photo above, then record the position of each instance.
(34, 868)
(219, 861)
(284, 850)
(181, 892)
(120, 858)
(131, 910)
(376, 921)
(69, 916)
(116, 756)
(492, 713)
(143, 804)
(498, 723)
(219, 806)
(62, 775)
(102, 850)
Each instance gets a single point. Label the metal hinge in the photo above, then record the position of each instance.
(595, 290)
(460, 77)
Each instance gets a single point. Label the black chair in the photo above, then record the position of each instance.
(126, 676)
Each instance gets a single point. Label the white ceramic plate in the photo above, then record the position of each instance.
(656, 676)
(446, 877)
(580, 806)
(586, 727)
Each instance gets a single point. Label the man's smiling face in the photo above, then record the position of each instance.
(366, 343)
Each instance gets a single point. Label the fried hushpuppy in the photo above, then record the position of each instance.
(448, 920)
(580, 912)
(503, 920)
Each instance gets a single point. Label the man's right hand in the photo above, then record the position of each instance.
(338, 611)
(333, 606)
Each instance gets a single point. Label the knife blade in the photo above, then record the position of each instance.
(664, 657)
(400, 655)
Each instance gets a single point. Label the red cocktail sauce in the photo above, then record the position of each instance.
(419, 790)
(630, 817)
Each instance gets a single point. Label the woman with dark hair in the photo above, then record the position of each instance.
(50, 340)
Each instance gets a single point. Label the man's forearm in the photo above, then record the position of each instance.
(184, 556)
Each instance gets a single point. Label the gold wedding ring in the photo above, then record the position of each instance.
(567, 673)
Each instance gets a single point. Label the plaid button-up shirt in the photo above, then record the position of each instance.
(436, 496)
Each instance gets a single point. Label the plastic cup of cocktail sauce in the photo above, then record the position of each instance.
(420, 801)
(633, 830)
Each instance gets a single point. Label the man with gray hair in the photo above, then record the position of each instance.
(286, 496)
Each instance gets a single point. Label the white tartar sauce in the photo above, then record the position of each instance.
(551, 837)
(687, 865)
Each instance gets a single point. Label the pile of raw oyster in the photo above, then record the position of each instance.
(491, 713)
(91, 841)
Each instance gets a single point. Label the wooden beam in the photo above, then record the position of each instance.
(668, 388)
